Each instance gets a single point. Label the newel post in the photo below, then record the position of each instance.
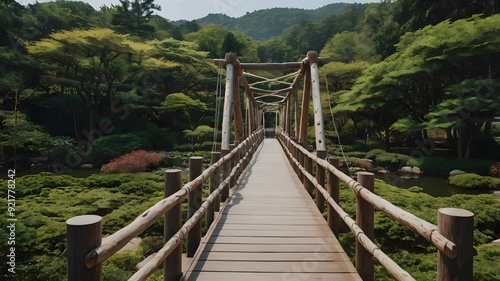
(83, 234)
(172, 266)
(308, 166)
(226, 171)
(458, 226)
(194, 203)
(365, 216)
(213, 185)
(320, 177)
(334, 191)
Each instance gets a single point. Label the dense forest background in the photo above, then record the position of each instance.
(76, 76)
(85, 86)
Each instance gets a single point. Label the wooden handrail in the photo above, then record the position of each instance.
(422, 227)
(450, 255)
(156, 259)
(113, 243)
(380, 256)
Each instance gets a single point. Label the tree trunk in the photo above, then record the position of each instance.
(425, 134)
(474, 131)
(91, 111)
(387, 139)
(487, 130)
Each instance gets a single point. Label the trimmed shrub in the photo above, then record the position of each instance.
(136, 161)
(34, 184)
(392, 161)
(106, 148)
(475, 181)
(141, 188)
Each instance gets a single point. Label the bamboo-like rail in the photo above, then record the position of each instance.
(113, 243)
(427, 230)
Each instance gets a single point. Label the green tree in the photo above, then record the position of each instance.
(350, 46)
(231, 44)
(100, 66)
(134, 16)
(179, 104)
(409, 85)
(198, 135)
(20, 138)
(209, 39)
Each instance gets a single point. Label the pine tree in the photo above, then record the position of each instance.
(133, 16)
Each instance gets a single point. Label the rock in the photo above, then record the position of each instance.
(495, 170)
(366, 164)
(384, 171)
(457, 172)
(416, 170)
(496, 241)
(87, 166)
(406, 169)
(356, 169)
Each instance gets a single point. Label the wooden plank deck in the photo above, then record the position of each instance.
(271, 230)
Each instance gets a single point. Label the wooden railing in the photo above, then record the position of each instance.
(453, 236)
(86, 250)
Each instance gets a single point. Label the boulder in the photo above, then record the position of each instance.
(457, 172)
(406, 169)
(384, 171)
(87, 166)
(416, 170)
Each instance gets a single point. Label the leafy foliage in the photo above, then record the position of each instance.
(113, 146)
(18, 133)
(134, 15)
(475, 181)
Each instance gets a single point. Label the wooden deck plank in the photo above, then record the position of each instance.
(245, 256)
(274, 266)
(252, 276)
(273, 248)
(271, 230)
(274, 240)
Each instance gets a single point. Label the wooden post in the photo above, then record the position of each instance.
(214, 184)
(365, 214)
(228, 101)
(458, 226)
(226, 170)
(172, 266)
(194, 203)
(302, 163)
(83, 234)
(232, 182)
(316, 95)
(288, 120)
(295, 115)
(304, 115)
(238, 118)
(308, 167)
(320, 177)
(334, 191)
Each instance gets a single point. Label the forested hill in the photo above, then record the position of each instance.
(264, 24)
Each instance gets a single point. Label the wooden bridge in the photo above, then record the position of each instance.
(267, 197)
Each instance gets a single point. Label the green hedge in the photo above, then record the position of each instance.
(475, 181)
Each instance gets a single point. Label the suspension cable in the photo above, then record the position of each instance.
(218, 94)
(335, 126)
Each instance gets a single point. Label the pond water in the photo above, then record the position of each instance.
(432, 185)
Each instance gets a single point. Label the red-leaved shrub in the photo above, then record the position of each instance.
(135, 161)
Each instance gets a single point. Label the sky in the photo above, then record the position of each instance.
(195, 9)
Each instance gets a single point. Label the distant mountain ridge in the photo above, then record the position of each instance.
(264, 24)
